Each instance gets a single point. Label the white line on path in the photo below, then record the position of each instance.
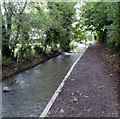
(50, 103)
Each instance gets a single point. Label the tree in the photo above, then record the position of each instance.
(103, 18)
(10, 13)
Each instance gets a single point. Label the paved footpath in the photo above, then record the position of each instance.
(91, 88)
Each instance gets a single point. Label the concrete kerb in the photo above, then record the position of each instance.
(50, 103)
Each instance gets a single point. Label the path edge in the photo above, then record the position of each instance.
(51, 101)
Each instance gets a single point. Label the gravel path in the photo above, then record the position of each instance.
(92, 88)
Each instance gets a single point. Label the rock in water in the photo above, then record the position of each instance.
(6, 89)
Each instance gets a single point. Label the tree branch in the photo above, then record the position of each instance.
(20, 20)
(90, 9)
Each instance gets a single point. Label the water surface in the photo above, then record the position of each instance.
(33, 88)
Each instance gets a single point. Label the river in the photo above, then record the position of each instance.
(33, 88)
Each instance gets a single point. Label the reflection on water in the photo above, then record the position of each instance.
(32, 89)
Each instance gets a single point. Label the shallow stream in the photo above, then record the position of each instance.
(33, 88)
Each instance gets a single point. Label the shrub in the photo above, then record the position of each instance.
(7, 62)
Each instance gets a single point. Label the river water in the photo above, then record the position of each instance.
(33, 88)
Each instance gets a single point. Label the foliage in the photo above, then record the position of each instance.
(79, 32)
(114, 29)
(7, 62)
(103, 18)
(35, 27)
(30, 29)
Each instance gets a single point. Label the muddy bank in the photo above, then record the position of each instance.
(6, 73)
(91, 90)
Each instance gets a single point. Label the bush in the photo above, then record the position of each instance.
(38, 49)
(7, 62)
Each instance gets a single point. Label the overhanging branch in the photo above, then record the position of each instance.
(90, 9)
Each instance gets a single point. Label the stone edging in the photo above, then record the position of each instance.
(50, 103)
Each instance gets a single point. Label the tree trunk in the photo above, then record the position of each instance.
(5, 41)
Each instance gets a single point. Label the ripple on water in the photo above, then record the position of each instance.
(32, 89)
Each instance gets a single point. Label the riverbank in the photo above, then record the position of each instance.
(32, 89)
(91, 90)
(7, 72)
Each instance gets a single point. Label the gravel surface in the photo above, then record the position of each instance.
(91, 90)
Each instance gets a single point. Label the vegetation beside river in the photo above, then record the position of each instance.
(16, 68)
(31, 30)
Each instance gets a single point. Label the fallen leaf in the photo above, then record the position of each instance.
(101, 87)
(72, 79)
(111, 74)
(90, 110)
(74, 100)
(62, 110)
